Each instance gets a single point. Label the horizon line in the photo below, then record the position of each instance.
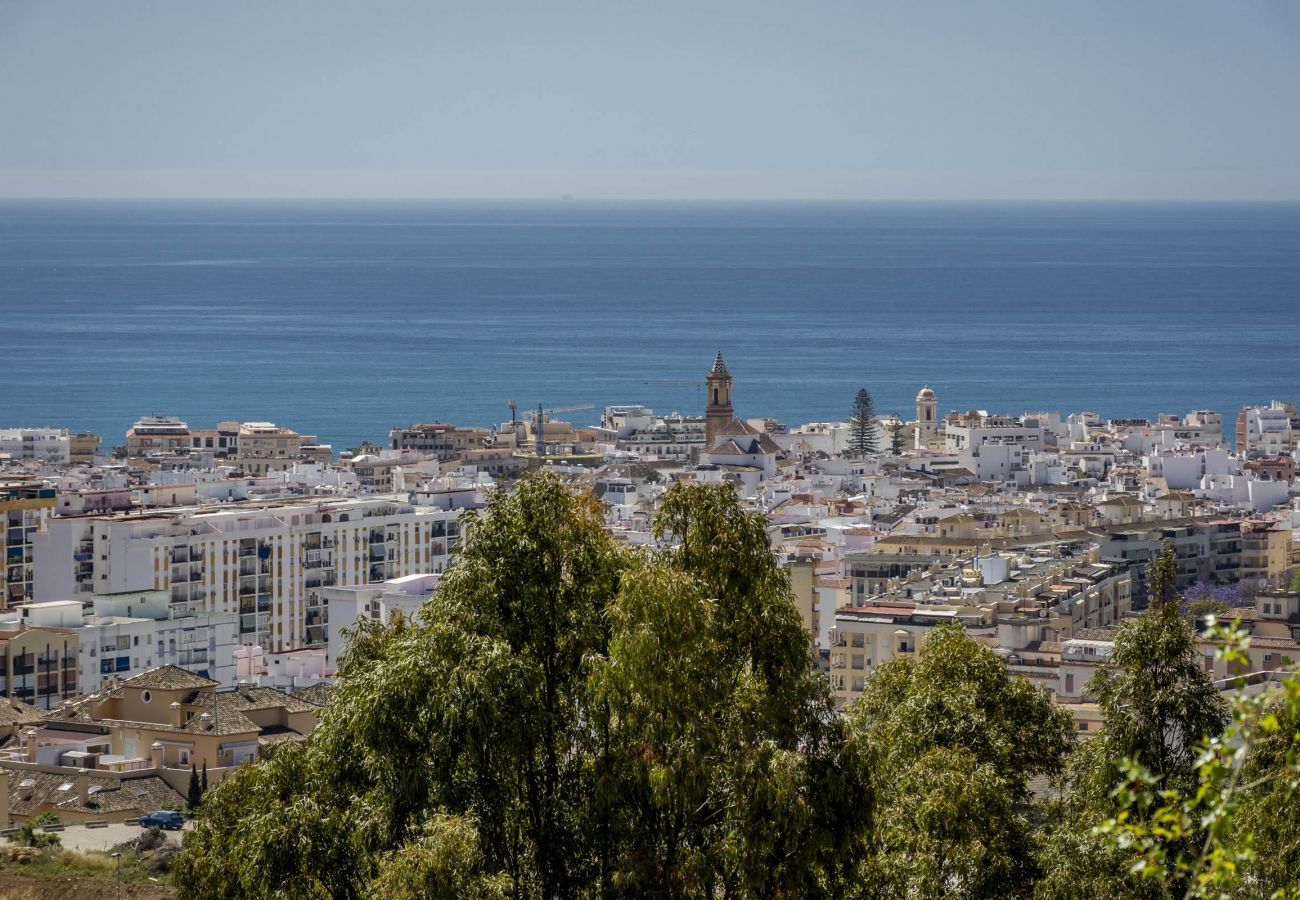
(195, 198)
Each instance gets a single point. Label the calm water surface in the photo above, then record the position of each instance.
(345, 319)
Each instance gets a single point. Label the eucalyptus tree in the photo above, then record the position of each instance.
(1159, 708)
(477, 710)
(951, 741)
(726, 754)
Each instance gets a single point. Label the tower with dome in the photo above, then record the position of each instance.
(927, 418)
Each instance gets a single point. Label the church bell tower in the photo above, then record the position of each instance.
(717, 409)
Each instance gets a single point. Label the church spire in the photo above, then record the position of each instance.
(717, 409)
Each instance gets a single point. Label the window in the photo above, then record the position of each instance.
(1069, 683)
(145, 697)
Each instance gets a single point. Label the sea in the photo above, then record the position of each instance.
(345, 319)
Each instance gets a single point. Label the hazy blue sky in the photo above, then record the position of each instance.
(962, 99)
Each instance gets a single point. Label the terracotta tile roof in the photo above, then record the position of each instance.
(169, 678)
(16, 712)
(319, 694)
(224, 711)
(31, 791)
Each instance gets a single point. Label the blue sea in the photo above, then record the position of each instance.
(345, 319)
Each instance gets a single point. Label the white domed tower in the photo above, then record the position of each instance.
(927, 418)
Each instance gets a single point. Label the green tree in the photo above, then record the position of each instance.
(1233, 834)
(863, 439)
(724, 754)
(896, 445)
(564, 719)
(952, 741)
(443, 861)
(194, 794)
(1269, 821)
(1158, 706)
(1202, 607)
(479, 708)
(1157, 702)
(203, 783)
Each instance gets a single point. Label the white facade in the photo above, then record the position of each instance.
(47, 444)
(966, 432)
(373, 603)
(114, 643)
(1245, 491)
(1268, 432)
(267, 563)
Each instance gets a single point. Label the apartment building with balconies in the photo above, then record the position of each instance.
(51, 445)
(24, 508)
(265, 562)
(39, 665)
(439, 439)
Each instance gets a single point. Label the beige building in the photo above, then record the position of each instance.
(129, 748)
(864, 638)
(82, 447)
(267, 447)
(171, 718)
(1021, 604)
(27, 791)
(439, 439)
(39, 665)
(157, 434)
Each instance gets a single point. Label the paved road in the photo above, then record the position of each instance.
(79, 837)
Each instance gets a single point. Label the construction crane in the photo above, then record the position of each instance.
(539, 420)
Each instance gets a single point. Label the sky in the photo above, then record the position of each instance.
(804, 99)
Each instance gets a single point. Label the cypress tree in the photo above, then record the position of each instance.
(195, 792)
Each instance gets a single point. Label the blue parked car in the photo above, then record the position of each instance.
(163, 818)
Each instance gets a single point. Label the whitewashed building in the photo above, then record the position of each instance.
(268, 563)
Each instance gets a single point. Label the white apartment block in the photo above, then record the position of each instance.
(1266, 432)
(353, 604)
(46, 444)
(968, 431)
(130, 633)
(267, 563)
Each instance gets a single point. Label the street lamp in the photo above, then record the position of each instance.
(117, 873)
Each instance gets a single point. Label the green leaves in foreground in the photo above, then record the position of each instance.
(564, 719)
(571, 719)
